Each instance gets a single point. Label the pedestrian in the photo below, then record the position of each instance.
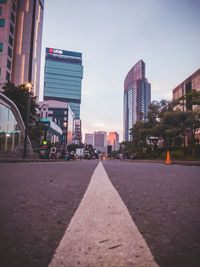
(53, 152)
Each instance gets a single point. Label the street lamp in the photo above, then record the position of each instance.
(29, 86)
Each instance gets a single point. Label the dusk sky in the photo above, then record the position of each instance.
(112, 36)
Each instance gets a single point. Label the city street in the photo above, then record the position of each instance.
(41, 212)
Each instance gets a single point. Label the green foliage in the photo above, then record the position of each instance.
(190, 99)
(168, 123)
(19, 95)
(72, 147)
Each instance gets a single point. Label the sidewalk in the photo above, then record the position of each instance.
(175, 162)
(19, 160)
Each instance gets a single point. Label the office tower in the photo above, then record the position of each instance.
(62, 77)
(61, 114)
(137, 97)
(113, 140)
(192, 82)
(100, 141)
(89, 139)
(21, 23)
(77, 132)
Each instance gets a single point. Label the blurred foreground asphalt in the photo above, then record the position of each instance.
(38, 200)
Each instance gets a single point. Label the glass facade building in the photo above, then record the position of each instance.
(63, 77)
(12, 129)
(10, 134)
(137, 97)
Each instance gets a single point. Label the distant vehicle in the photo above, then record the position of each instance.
(87, 154)
(79, 153)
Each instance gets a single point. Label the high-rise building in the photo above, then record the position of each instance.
(77, 132)
(113, 140)
(137, 97)
(21, 23)
(100, 141)
(62, 77)
(89, 139)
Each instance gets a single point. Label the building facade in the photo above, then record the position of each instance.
(100, 141)
(113, 140)
(61, 114)
(89, 139)
(192, 82)
(63, 77)
(21, 23)
(137, 97)
(53, 132)
(77, 138)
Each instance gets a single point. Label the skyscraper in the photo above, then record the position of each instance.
(21, 24)
(89, 139)
(62, 77)
(100, 141)
(137, 97)
(113, 140)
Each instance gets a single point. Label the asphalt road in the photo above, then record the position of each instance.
(38, 200)
(164, 202)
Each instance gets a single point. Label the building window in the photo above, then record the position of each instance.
(11, 28)
(1, 47)
(0, 11)
(13, 6)
(12, 17)
(2, 22)
(3, 1)
(9, 52)
(8, 64)
(7, 76)
(10, 40)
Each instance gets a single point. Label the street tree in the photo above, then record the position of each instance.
(19, 94)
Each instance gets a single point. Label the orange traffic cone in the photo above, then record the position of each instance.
(168, 161)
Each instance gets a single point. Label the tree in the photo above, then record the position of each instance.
(168, 123)
(190, 99)
(19, 94)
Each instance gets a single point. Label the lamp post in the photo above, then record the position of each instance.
(28, 85)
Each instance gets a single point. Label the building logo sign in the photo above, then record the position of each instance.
(55, 51)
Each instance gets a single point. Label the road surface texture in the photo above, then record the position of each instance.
(69, 214)
(37, 201)
(164, 202)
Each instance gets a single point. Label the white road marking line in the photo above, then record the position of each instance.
(102, 232)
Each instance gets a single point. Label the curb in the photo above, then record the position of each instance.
(175, 162)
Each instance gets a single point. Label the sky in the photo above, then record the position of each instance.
(113, 35)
